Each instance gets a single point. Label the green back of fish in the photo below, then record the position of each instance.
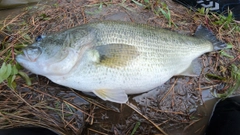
(126, 41)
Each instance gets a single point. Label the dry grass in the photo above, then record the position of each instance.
(42, 106)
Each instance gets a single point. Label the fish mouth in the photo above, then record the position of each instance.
(25, 54)
(31, 53)
(23, 57)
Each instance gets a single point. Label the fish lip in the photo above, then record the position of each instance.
(23, 56)
(26, 56)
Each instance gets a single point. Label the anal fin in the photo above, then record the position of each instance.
(193, 70)
(117, 96)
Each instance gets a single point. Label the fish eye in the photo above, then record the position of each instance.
(39, 38)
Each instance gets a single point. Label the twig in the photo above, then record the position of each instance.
(145, 117)
(14, 19)
(96, 131)
(169, 90)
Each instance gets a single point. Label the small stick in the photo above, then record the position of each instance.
(145, 117)
(97, 131)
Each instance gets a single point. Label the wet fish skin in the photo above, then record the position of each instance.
(113, 59)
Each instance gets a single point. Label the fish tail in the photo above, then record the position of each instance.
(205, 33)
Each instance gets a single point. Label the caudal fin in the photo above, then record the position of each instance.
(205, 33)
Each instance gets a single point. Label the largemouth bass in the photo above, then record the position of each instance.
(113, 59)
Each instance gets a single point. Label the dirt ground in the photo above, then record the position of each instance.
(182, 106)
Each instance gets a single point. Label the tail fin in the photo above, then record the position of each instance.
(205, 33)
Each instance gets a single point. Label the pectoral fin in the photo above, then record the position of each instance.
(114, 55)
(94, 55)
(117, 96)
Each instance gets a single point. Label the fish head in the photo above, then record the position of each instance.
(47, 56)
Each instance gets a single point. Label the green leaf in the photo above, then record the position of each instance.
(14, 70)
(223, 53)
(26, 36)
(3, 70)
(135, 128)
(201, 10)
(215, 77)
(11, 83)
(100, 6)
(229, 46)
(147, 1)
(164, 13)
(25, 76)
(235, 75)
(139, 4)
(8, 71)
(70, 108)
(1, 79)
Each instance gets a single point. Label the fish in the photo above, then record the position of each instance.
(113, 59)
(7, 4)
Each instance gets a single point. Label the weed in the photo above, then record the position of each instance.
(99, 9)
(203, 11)
(215, 77)
(220, 20)
(166, 13)
(225, 21)
(137, 3)
(122, 4)
(235, 76)
(100, 5)
(224, 53)
(9, 72)
(10, 46)
(135, 128)
(146, 1)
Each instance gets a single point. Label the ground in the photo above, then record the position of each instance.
(181, 106)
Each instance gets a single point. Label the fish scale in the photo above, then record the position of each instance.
(195, 48)
(113, 59)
